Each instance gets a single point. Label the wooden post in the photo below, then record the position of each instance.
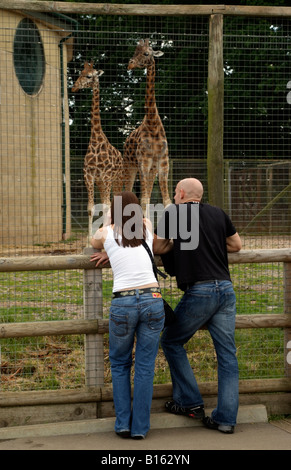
(94, 346)
(287, 311)
(215, 111)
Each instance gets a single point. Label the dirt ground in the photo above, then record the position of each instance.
(77, 244)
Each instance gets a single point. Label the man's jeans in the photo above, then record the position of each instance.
(212, 304)
(144, 316)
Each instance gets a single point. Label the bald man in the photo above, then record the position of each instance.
(202, 236)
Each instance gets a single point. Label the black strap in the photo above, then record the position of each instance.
(155, 269)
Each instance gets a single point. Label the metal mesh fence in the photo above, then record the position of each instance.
(257, 124)
(46, 362)
(45, 131)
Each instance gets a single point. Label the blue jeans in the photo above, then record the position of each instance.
(143, 316)
(212, 304)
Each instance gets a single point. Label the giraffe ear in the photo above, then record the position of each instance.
(158, 53)
(100, 72)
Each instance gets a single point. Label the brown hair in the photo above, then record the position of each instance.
(134, 232)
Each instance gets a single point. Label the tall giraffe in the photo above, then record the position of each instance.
(103, 163)
(146, 148)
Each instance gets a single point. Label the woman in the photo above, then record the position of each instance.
(136, 310)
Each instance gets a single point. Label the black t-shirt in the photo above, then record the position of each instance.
(199, 232)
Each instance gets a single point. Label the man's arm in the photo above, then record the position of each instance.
(163, 242)
(233, 243)
(161, 245)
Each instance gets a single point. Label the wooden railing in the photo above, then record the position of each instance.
(96, 399)
(94, 326)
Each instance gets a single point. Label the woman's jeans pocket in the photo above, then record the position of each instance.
(118, 321)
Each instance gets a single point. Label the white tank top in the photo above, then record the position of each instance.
(131, 266)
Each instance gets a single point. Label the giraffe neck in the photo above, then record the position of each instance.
(96, 128)
(150, 99)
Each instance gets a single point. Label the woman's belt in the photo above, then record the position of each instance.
(144, 290)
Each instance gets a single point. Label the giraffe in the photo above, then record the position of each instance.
(146, 148)
(103, 163)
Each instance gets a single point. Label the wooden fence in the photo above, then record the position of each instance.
(94, 327)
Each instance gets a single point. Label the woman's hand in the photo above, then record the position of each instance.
(101, 257)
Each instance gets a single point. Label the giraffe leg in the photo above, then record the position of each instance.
(129, 178)
(144, 200)
(163, 182)
(151, 179)
(130, 165)
(130, 168)
(144, 174)
(118, 182)
(89, 182)
(104, 187)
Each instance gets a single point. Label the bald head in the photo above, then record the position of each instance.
(189, 189)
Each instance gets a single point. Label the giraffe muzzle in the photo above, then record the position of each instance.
(131, 65)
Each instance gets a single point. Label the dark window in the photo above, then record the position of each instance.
(28, 54)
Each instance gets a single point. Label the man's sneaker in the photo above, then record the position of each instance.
(194, 412)
(209, 423)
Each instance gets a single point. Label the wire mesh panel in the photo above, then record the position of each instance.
(43, 203)
(179, 90)
(257, 125)
(47, 362)
(257, 174)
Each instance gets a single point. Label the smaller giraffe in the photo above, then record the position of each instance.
(146, 148)
(103, 163)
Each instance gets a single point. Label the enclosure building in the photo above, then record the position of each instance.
(34, 129)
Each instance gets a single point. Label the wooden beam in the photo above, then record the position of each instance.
(45, 397)
(44, 263)
(101, 326)
(143, 10)
(215, 112)
(267, 320)
(111, 9)
(287, 311)
(245, 10)
(260, 256)
(93, 310)
(87, 395)
(62, 262)
(50, 328)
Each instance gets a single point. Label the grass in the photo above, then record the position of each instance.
(58, 362)
(259, 289)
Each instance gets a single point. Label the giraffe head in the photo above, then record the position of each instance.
(88, 77)
(143, 55)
